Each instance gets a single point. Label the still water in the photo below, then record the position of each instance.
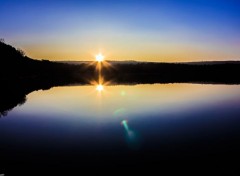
(151, 122)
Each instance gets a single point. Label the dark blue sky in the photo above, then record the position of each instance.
(154, 30)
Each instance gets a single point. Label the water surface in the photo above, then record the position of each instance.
(123, 124)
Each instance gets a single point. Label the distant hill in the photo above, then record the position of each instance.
(214, 62)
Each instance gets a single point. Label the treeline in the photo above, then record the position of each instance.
(17, 67)
(175, 73)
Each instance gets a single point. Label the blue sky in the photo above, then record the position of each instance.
(149, 30)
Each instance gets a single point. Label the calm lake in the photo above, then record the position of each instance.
(127, 125)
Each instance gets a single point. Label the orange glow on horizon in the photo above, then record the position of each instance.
(152, 53)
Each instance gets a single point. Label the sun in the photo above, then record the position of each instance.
(99, 88)
(99, 57)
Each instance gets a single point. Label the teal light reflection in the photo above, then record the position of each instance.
(131, 135)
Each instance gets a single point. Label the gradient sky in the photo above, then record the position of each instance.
(144, 30)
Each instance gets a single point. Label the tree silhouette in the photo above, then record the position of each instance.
(2, 40)
(21, 52)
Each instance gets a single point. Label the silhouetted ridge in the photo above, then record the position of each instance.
(9, 53)
(16, 66)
